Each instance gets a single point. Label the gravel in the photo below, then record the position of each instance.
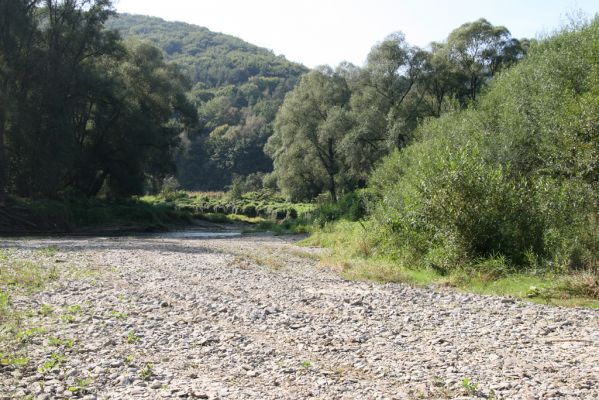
(256, 317)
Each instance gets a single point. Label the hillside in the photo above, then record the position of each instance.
(237, 86)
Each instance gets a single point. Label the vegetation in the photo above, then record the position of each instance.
(237, 90)
(70, 90)
(472, 162)
(499, 197)
(336, 125)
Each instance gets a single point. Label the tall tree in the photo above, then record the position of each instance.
(309, 129)
(481, 49)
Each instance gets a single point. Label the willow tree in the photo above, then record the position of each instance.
(481, 49)
(309, 130)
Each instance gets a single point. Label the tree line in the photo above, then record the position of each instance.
(336, 125)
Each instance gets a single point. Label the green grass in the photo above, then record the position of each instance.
(72, 214)
(355, 257)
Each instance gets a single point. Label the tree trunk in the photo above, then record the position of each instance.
(332, 188)
(3, 160)
(332, 169)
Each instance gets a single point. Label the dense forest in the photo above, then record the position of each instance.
(83, 113)
(237, 89)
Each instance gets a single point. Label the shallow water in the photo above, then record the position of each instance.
(193, 234)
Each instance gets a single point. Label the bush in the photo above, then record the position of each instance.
(351, 206)
(510, 184)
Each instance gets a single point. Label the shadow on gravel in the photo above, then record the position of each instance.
(66, 245)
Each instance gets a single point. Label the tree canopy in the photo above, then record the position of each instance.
(80, 110)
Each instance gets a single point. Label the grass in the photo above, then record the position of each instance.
(352, 254)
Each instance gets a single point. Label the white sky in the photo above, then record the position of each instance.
(316, 32)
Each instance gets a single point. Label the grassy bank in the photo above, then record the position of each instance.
(79, 215)
(260, 212)
(354, 255)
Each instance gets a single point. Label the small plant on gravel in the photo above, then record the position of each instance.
(469, 386)
(12, 360)
(68, 318)
(48, 251)
(27, 335)
(58, 342)
(147, 372)
(45, 310)
(306, 364)
(80, 386)
(132, 337)
(74, 309)
(119, 315)
(129, 359)
(55, 360)
(4, 301)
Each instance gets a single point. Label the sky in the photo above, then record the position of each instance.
(317, 32)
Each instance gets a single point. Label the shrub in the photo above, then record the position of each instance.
(509, 184)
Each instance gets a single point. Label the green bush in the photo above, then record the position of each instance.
(514, 179)
(351, 206)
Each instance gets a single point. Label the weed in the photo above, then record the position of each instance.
(27, 335)
(129, 359)
(306, 364)
(67, 318)
(132, 337)
(147, 372)
(4, 301)
(12, 360)
(58, 342)
(45, 310)
(80, 386)
(119, 315)
(74, 309)
(469, 386)
(49, 251)
(55, 360)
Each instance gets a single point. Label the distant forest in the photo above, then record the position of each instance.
(237, 88)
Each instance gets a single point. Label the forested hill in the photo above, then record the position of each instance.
(238, 88)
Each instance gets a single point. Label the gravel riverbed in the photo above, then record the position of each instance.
(256, 317)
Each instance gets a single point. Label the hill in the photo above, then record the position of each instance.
(237, 87)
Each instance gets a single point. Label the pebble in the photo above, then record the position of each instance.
(215, 320)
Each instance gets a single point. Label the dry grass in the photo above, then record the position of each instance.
(581, 284)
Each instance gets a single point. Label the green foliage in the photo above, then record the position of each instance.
(309, 130)
(508, 185)
(12, 360)
(147, 372)
(132, 337)
(335, 126)
(469, 386)
(27, 335)
(237, 89)
(76, 213)
(80, 387)
(58, 342)
(75, 88)
(351, 206)
(55, 360)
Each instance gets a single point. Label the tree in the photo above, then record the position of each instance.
(309, 129)
(16, 31)
(77, 108)
(481, 49)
